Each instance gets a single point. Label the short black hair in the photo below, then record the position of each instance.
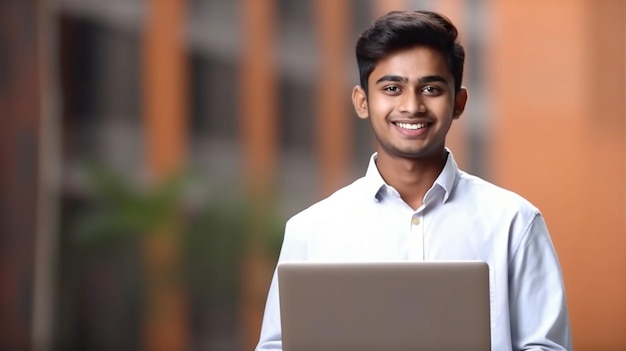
(400, 30)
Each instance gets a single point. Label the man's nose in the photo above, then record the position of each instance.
(412, 104)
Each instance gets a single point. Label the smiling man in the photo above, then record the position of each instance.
(415, 204)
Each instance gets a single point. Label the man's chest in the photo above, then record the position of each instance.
(415, 236)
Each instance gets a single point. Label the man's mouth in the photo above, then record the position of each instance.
(412, 126)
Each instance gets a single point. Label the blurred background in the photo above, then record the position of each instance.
(151, 151)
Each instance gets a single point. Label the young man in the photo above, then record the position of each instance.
(415, 204)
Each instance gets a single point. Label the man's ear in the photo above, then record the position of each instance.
(459, 103)
(359, 100)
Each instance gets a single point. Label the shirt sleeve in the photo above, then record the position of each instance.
(293, 249)
(538, 309)
(270, 339)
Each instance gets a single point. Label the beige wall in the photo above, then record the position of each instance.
(557, 86)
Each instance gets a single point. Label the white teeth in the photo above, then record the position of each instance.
(411, 126)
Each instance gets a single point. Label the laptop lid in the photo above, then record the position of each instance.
(390, 306)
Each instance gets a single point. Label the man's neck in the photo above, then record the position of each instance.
(412, 178)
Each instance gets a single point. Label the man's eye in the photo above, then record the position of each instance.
(392, 89)
(431, 90)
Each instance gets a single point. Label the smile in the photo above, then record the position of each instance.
(412, 126)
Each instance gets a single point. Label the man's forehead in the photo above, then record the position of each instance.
(412, 64)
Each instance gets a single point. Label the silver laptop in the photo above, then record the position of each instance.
(391, 306)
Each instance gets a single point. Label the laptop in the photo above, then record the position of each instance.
(386, 306)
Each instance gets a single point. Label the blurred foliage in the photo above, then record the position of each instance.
(216, 224)
(103, 287)
(120, 209)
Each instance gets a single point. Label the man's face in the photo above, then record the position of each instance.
(411, 103)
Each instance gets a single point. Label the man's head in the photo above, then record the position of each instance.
(405, 29)
(411, 71)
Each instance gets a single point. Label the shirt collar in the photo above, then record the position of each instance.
(446, 179)
(374, 182)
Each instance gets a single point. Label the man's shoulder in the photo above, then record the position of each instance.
(486, 193)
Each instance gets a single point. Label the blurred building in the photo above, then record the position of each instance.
(253, 96)
(101, 54)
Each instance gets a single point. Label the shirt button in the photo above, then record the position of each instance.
(415, 221)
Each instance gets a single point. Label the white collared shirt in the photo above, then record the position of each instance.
(463, 218)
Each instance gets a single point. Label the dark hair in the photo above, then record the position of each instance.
(399, 30)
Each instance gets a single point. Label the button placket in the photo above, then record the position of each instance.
(416, 239)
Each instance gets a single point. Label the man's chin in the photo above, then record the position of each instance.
(419, 153)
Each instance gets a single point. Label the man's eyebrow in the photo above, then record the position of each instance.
(433, 78)
(421, 80)
(392, 78)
